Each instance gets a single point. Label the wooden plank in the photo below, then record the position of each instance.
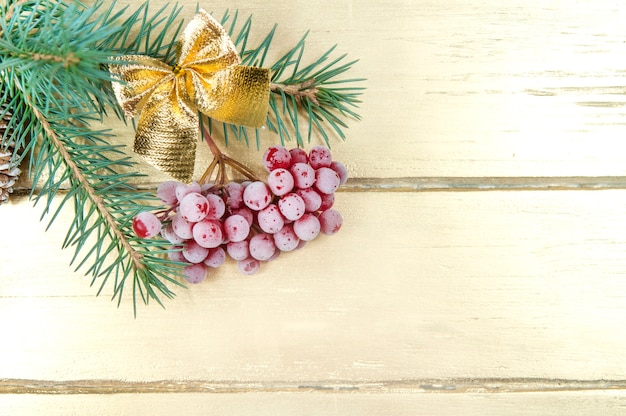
(466, 88)
(442, 386)
(415, 286)
(608, 403)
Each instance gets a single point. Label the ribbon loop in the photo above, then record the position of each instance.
(207, 77)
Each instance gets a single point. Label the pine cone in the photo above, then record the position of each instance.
(9, 171)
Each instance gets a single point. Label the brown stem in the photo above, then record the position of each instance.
(11, 8)
(66, 60)
(220, 160)
(212, 146)
(306, 89)
(80, 177)
(209, 171)
(240, 167)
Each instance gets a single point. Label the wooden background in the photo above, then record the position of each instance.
(481, 269)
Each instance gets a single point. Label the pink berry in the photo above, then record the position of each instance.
(330, 221)
(280, 181)
(303, 175)
(216, 257)
(270, 219)
(341, 170)
(217, 207)
(238, 250)
(175, 254)
(312, 199)
(257, 196)
(193, 207)
(236, 228)
(292, 206)
(168, 233)
(298, 156)
(193, 252)
(326, 180)
(276, 157)
(320, 157)
(234, 192)
(262, 246)
(208, 233)
(307, 227)
(183, 189)
(249, 266)
(286, 239)
(182, 227)
(146, 225)
(167, 192)
(244, 212)
(327, 201)
(195, 273)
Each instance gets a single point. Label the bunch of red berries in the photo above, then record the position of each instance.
(253, 221)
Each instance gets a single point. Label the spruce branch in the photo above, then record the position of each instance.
(79, 179)
(53, 60)
(12, 4)
(300, 91)
(57, 81)
(304, 100)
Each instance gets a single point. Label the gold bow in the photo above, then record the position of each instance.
(207, 77)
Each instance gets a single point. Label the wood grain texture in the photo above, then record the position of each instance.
(607, 403)
(465, 88)
(417, 285)
(431, 300)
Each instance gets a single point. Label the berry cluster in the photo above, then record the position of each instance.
(253, 221)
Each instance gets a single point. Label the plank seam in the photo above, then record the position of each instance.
(426, 386)
(484, 183)
(455, 184)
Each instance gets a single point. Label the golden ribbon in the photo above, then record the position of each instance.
(207, 77)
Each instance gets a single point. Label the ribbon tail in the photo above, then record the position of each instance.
(168, 131)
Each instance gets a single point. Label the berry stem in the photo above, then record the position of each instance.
(220, 161)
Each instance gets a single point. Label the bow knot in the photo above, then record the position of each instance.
(206, 78)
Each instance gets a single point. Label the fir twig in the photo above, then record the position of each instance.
(53, 55)
(304, 100)
(56, 80)
(80, 178)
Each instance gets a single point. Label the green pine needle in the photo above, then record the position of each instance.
(54, 82)
(304, 101)
(53, 58)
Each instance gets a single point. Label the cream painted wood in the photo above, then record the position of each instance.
(416, 286)
(467, 88)
(606, 403)
(427, 302)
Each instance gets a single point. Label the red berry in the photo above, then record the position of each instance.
(328, 200)
(257, 196)
(326, 180)
(298, 156)
(146, 225)
(320, 157)
(330, 221)
(303, 175)
(341, 170)
(195, 273)
(280, 181)
(249, 266)
(276, 157)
